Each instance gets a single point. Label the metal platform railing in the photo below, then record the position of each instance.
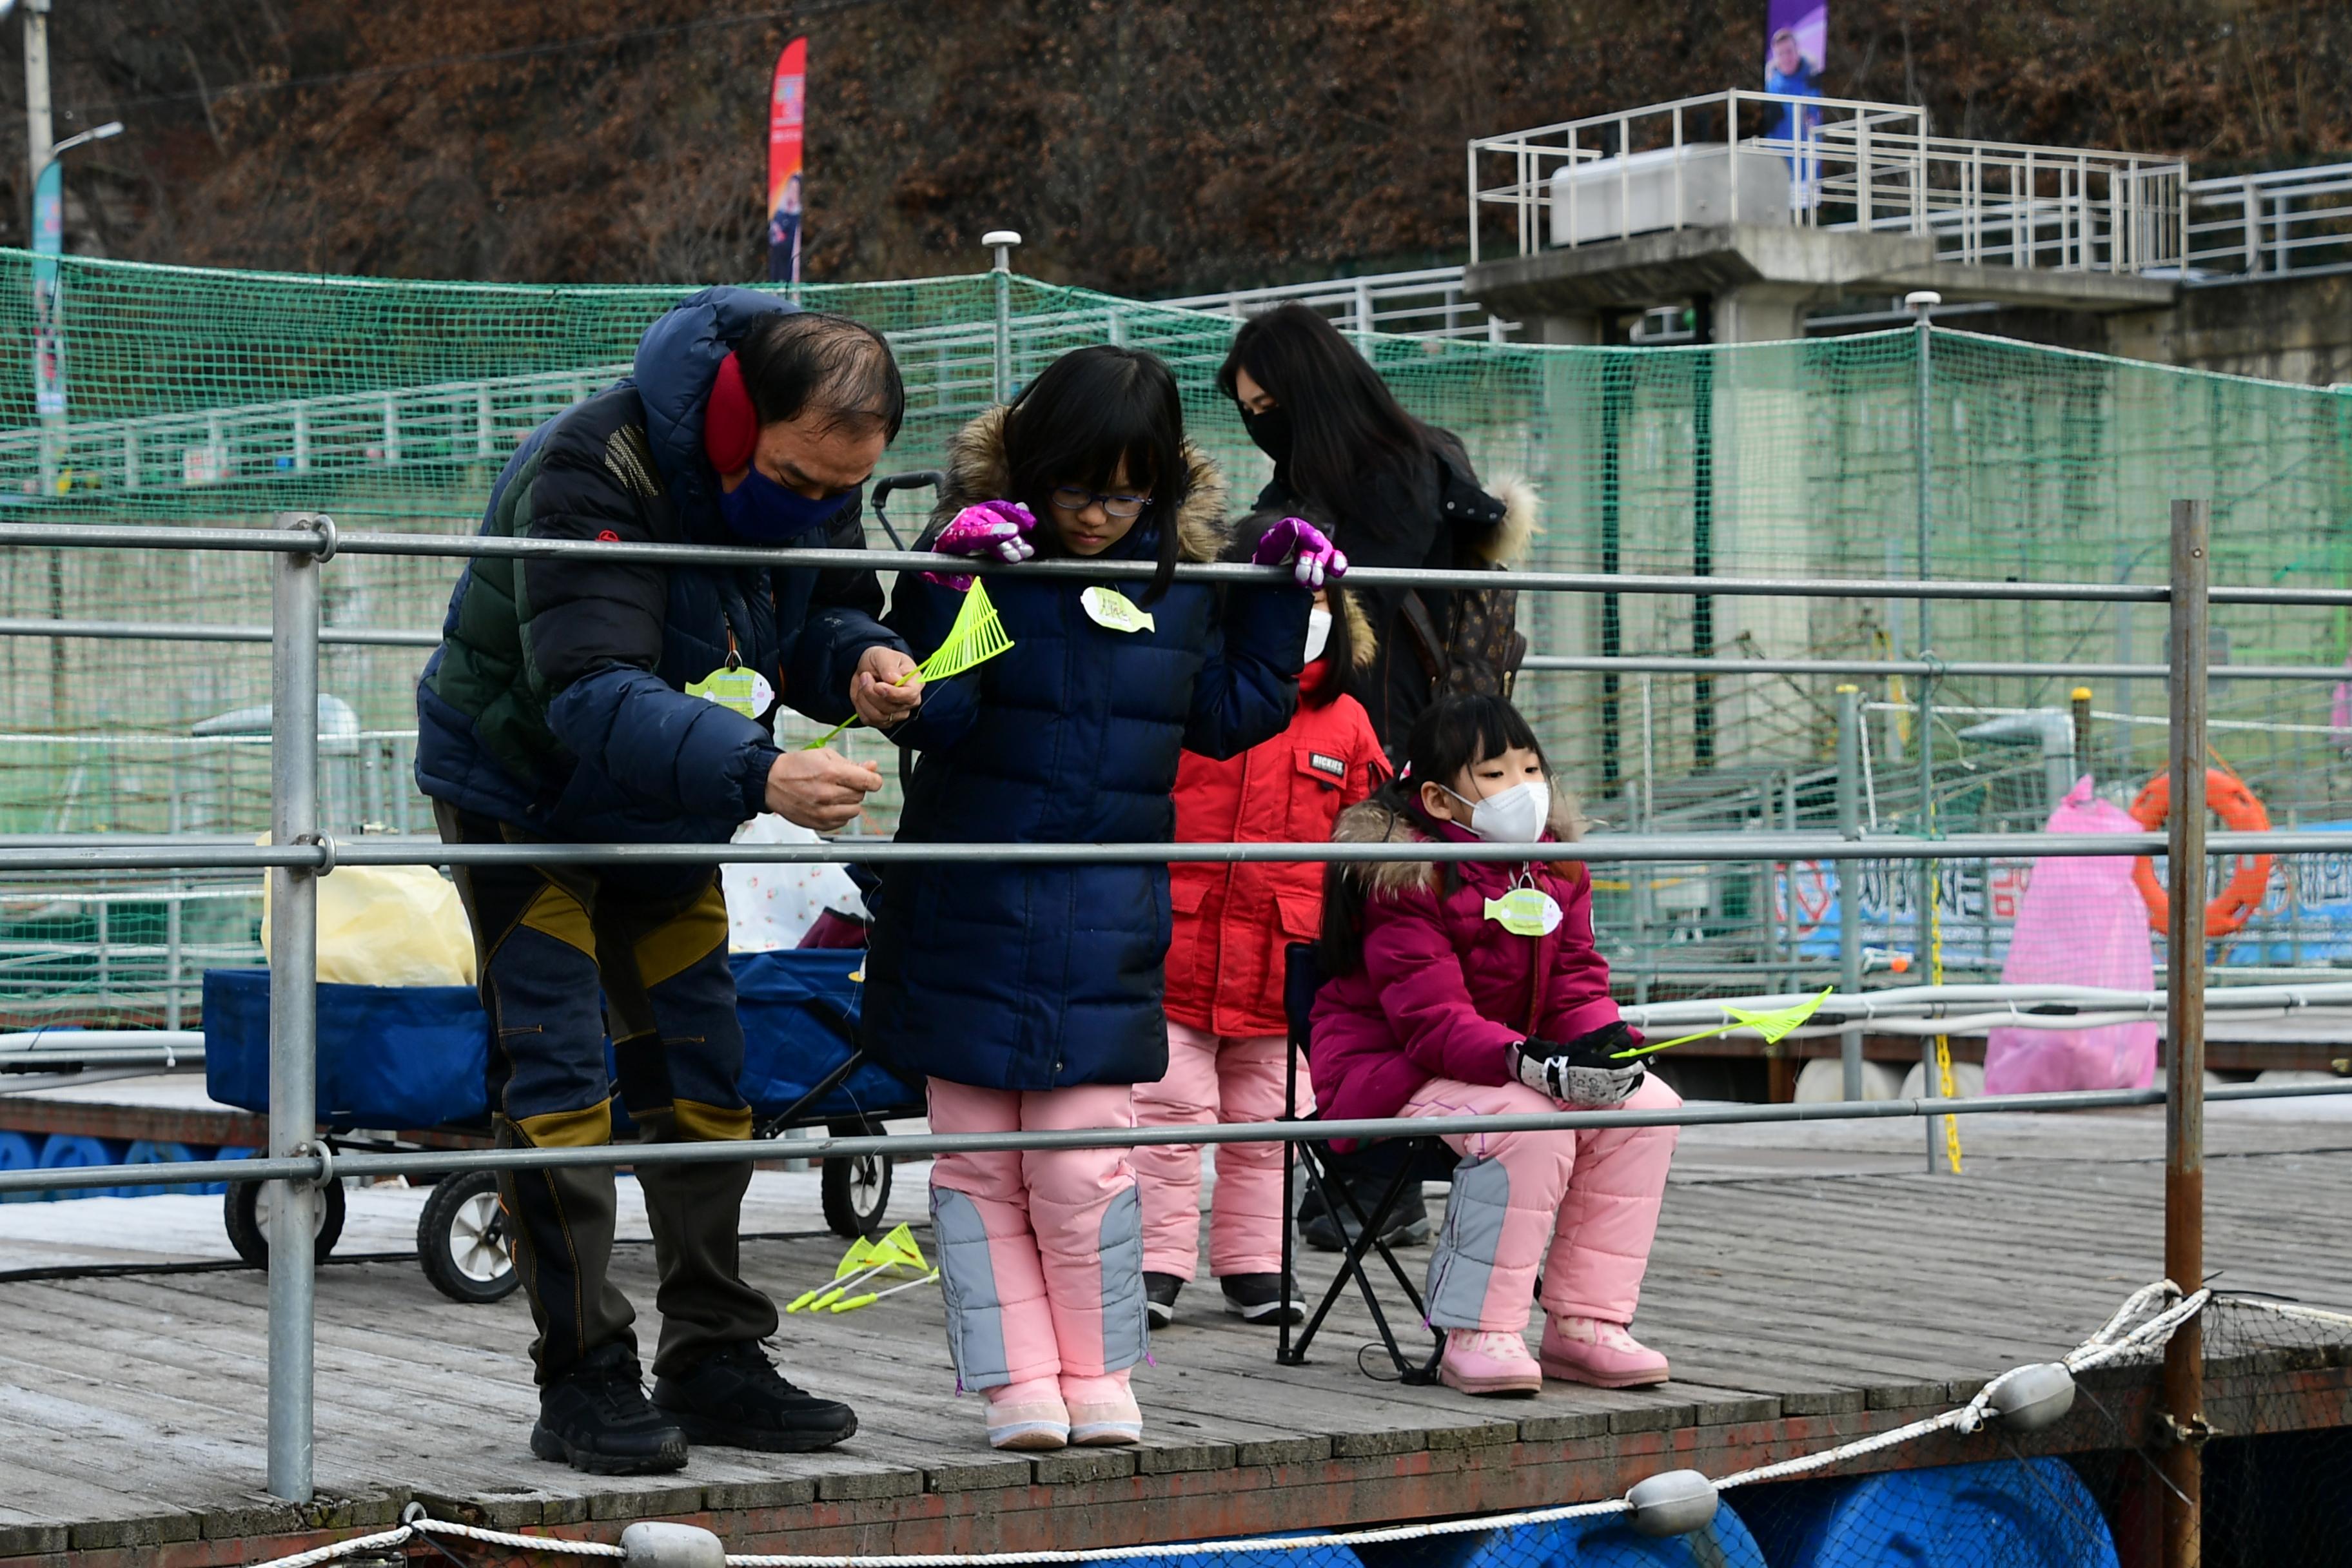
(298, 852)
(1427, 303)
(1743, 157)
(2270, 225)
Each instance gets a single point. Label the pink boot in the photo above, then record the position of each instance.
(1027, 1416)
(1594, 1351)
(1102, 1410)
(1483, 1362)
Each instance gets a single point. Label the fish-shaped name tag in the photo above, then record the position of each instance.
(1114, 611)
(732, 686)
(1524, 912)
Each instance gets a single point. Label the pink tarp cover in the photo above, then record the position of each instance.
(2082, 922)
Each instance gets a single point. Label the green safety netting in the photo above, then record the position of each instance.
(220, 397)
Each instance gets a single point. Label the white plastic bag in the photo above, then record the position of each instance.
(770, 905)
(388, 925)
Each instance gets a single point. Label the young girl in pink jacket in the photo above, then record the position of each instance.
(1474, 988)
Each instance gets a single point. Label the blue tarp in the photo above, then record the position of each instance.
(401, 1056)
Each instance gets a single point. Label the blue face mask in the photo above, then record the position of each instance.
(765, 512)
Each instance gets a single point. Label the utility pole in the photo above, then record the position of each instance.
(37, 134)
(39, 148)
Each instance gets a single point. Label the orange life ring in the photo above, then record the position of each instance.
(2240, 808)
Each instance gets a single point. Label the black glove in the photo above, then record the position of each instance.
(1585, 1070)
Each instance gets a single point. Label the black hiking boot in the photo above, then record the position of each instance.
(594, 1417)
(735, 1399)
(1257, 1298)
(1159, 1293)
(1408, 1224)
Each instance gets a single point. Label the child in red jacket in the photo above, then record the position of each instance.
(1226, 1033)
(1474, 988)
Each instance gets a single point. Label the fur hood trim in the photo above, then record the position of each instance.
(1507, 543)
(978, 471)
(1372, 822)
(1363, 643)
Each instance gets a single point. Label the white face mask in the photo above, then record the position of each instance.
(1318, 632)
(1514, 816)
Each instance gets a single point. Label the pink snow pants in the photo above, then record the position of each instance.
(1214, 1077)
(1580, 1207)
(1040, 1252)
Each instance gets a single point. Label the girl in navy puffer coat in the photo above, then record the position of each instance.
(1029, 994)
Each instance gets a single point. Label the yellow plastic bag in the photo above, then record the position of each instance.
(388, 925)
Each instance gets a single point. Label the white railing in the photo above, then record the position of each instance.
(949, 370)
(1428, 303)
(2268, 224)
(1743, 157)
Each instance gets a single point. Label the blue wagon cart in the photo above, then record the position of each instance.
(401, 1068)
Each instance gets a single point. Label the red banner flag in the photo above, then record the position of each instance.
(787, 110)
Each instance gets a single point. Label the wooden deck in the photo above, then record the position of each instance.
(1811, 1284)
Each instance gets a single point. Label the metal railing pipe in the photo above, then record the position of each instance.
(1603, 849)
(2184, 1121)
(148, 631)
(1592, 663)
(1849, 810)
(1958, 668)
(317, 1167)
(293, 1010)
(327, 541)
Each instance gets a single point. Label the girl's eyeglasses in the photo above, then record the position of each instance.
(1074, 498)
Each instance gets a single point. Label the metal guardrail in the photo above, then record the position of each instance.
(1831, 163)
(1427, 303)
(2270, 225)
(314, 1167)
(298, 852)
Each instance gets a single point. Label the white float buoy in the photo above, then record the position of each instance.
(2034, 1396)
(1673, 1502)
(652, 1545)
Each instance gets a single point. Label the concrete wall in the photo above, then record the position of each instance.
(2292, 329)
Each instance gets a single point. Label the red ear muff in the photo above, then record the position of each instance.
(730, 430)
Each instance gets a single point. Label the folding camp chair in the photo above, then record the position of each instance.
(1333, 1177)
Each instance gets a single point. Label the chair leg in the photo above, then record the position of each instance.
(1383, 1209)
(1367, 1240)
(1318, 1183)
(1289, 1225)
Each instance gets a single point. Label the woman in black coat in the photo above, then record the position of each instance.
(1391, 490)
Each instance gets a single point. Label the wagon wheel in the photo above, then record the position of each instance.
(244, 1214)
(463, 1242)
(857, 1190)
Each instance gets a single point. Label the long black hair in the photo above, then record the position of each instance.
(1085, 415)
(1346, 424)
(1452, 735)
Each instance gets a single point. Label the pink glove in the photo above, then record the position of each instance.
(1299, 545)
(998, 528)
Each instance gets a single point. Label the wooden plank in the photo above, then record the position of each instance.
(1798, 1304)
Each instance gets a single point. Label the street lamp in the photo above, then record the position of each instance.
(112, 128)
(48, 244)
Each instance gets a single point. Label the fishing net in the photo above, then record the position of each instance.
(218, 398)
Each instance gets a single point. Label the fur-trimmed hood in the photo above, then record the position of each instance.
(1374, 821)
(978, 471)
(1506, 543)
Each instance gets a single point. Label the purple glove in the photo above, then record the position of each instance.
(998, 528)
(1293, 542)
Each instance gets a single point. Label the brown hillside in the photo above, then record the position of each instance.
(1143, 147)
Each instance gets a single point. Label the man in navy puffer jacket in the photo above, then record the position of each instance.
(575, 698)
